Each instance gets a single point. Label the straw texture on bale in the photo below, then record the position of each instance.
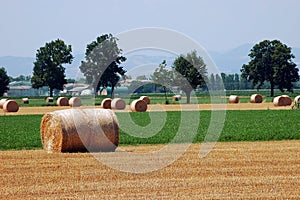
(49, 100)
(62, 101)
(282, 100)
(256, 98)
(75, 102)
(25, 100)
(106, 103)
(11, 106)
(234, 99)
(118, 104)
(2, 101)
(146, 99)
(138, 105)
(176, 97)
(80, 130)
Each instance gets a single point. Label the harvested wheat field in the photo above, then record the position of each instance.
(247, 170)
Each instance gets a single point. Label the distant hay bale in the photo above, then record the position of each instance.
(62, 101)
(75, 102)
(2, 101)
(283, 100)
(146, 99)
(118, 104)
(11, 106)
(176, 97)
(138, 105)
(234, 99)
(25, 100)
(287, 99)
(256, 98)
(296, 100)
(49, 100)
(106, 103)
(80, 130)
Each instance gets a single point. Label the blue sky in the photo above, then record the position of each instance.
(217, 25)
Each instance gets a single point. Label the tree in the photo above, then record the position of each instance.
(164, 77)
(48, 69)
(192, 72)
(4, 81)
(271, 61)
(102, 66)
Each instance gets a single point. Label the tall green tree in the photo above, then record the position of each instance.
(102, 63)
(48, 68)
(163, 77)
(4, 81)
(192, 73)
(271, 61)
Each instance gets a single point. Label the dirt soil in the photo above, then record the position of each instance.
(240, 170)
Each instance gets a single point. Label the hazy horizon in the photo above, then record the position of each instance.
(216, 25)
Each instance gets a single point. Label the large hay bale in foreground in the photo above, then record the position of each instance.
(49, 100)
(138, 106)
(234, 99)
(256, 98)
(25, 100)
(118, 104)
(75, 102)
(176, 97)
(146, 99)
(11, 106)
(2, 101)
(279, 101)
(62, 101)
(106, 103)
(80, 130)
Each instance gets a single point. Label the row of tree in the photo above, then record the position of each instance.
(270, 62)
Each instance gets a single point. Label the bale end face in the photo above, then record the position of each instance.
(234, 99)
(75, 102)
(256, 98)
(62, 101)
(118, 104)
(106, 103)
(146, 99)
(138, 106)
(11, 106)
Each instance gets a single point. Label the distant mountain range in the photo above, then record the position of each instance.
(228, 62)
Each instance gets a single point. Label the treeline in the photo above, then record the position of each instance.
(235, 82)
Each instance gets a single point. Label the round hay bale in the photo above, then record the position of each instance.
(287, 99)
(106, 103)
(62, 101)
(11, 106)
(176, 97)
(25, 100)
(75, 102)
(49, 100)
(118, 104)
(138, 105)
(296, 100)
(80, 130)
(256, 98)
(2, 101)
(279, 101)
(146, 99)
(234, 99)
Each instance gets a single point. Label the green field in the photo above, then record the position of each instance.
(22, 132)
